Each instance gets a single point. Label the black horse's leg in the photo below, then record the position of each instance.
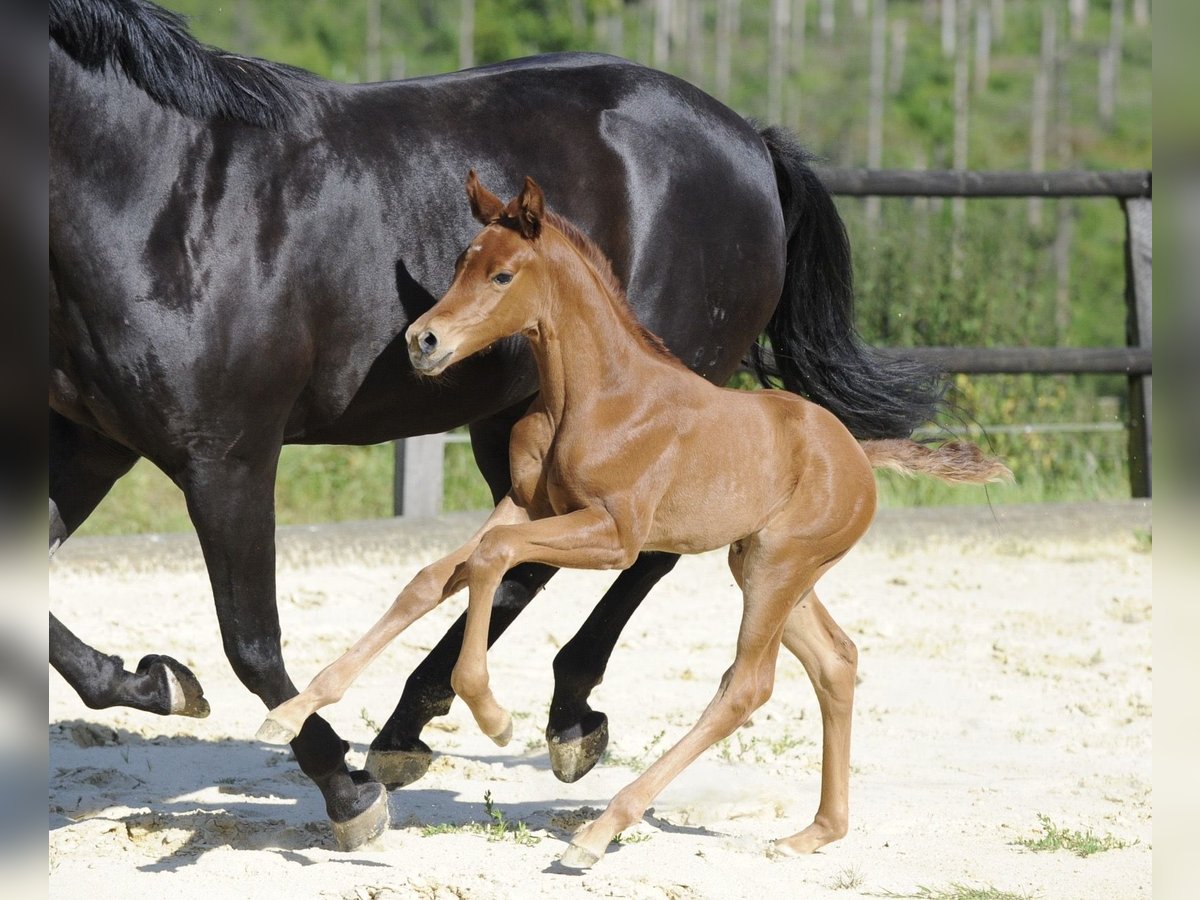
(576, 734)
(398, 756)
(231, 503)
(83, 465)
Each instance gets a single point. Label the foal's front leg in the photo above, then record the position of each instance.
(584, 539)
(431, 586)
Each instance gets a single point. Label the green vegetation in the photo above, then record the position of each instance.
(960, 892)
(497, 828)
(633, 837)
(1081, 843)
(990, 279)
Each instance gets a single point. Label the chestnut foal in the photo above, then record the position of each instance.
(625, 450)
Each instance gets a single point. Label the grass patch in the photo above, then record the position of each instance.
(498, 827)
(846, 880)
(958, 891)
(1081, 843)
(637, 762)
(634, 837)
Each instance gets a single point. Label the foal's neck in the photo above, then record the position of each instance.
(591, 345)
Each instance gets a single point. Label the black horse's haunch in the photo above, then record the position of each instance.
(236, 248)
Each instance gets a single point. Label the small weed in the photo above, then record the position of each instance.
(759, 749)
(846, 880)
(1081, 843)
(636, 837)
(497, 829)
(368, 721)
(960, 892)
(446, 828)
(636, 762)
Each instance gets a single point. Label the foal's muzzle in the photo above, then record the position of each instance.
(425, 352)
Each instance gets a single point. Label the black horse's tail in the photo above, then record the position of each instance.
(814, 349)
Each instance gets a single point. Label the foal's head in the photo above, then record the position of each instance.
(498, 282)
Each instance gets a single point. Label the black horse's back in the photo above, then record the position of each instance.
(814, 348)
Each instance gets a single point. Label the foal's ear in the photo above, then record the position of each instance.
(486, 207)
(527, 209)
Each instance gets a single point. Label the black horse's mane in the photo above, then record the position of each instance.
(153, 48)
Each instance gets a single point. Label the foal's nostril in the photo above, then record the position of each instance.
(427, 341)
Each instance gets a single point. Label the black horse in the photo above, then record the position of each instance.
(236, 248)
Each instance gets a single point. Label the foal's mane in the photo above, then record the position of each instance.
(152, 47)
(602, 266)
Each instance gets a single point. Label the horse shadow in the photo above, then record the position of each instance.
(156, 795)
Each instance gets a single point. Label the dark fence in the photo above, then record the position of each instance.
(419, 460)
(1133, 190)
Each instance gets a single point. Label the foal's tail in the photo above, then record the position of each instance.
(814, 348)
(958, 462)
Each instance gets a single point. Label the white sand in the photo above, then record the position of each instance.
(1005, 673)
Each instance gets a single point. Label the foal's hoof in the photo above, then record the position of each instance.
(368, 824)
(272, 732)
(577, 857)
(396, 768)
(576, 750)
(504, 735)
(185, 696)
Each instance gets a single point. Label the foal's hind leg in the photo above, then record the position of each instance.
(772, 579)
(831, 661)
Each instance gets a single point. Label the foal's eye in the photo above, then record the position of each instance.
(502, 278)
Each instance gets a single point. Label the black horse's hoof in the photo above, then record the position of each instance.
(366, 825)
(574, 751)
(397, 768)
(181, 689)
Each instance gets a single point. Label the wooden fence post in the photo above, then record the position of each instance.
(417, 484)
(1139, 230)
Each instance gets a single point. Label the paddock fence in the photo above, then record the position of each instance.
(418, 482)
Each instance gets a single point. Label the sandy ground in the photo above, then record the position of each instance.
(1005, 675)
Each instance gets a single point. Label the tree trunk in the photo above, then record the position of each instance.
(1110, 62)
(1078, 19)
(875, 102)
(663, 10)
(899, 49)
(695, 41)
(781, 11)
(998, 19)
(372, 66)
(1066, 208)
(826, 18)
(727, 35)
(795, 63)
(961, 127)
(243, 27)
(949, 31)
(466, 35)
(983, 47)
(1040, 107)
